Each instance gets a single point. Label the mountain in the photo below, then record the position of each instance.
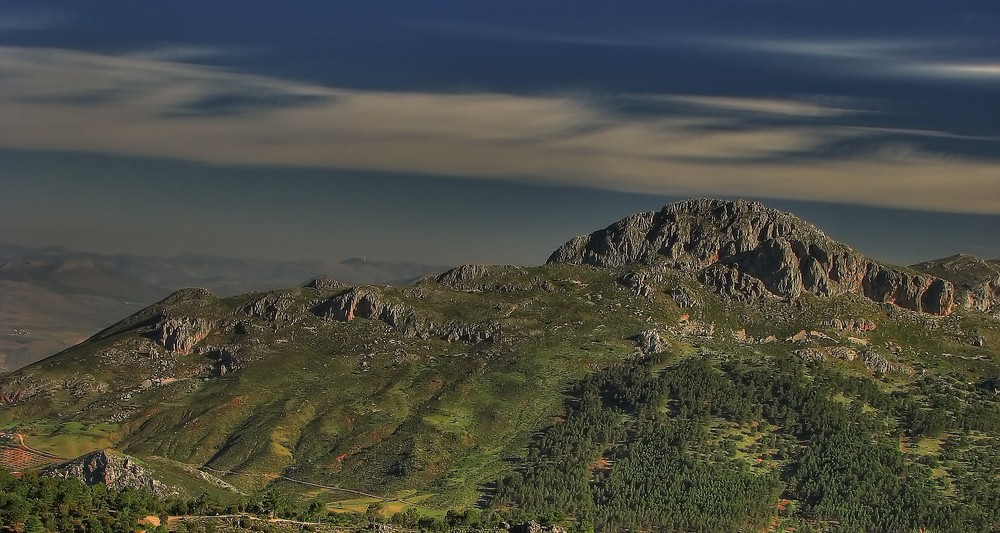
(715, 365)
(53, 298)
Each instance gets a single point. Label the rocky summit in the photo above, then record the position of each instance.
(746, 250)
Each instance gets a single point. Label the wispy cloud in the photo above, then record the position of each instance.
(902, 57)
(841, 48)
(761, 106)
(186, 52)
(956, 69)
(175, 110)
(874, 57)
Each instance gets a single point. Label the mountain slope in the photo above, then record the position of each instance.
(435, 394)
(51, 299)
(48, 305)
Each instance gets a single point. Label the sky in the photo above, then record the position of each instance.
(464, 131)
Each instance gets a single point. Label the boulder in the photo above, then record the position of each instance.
(650, 341)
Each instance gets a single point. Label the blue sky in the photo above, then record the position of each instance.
(448, 131)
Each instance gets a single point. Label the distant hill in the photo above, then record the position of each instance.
(714, 366)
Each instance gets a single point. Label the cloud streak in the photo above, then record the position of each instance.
(864, 57)
(158, 108)
(760, 106)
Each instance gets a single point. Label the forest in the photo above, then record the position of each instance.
(696, 443)
(707, 445)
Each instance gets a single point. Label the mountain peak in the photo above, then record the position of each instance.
(695, 232)
(746, 250)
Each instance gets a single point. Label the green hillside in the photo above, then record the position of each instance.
(614, 397)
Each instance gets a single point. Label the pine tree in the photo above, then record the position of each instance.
(34, 525)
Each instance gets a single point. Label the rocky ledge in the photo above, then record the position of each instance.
(369, 303)
(747, 251)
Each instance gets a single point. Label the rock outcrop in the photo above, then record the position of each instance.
(116, 470)
(184, 302)
(325, 284)
(874, 361)
(650, 342)
(361, 302)
(856, 325)
(977, 282)
(684, 297)
(367, 303)
(180, 335)
(23, 387)
(747, 251)
(480, 278)
(278, 308)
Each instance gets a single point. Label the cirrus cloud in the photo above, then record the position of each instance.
(54, 99)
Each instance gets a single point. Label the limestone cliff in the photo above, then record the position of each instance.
(745, 250)
(369, 303)
(977, 282)
(180, 335)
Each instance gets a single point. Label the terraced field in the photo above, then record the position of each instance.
(16, 457)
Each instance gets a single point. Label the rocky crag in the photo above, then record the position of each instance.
(747, 251)
(977, 281)
(371, 304)
(116, 470)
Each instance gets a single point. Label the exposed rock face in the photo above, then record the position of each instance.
(116, 470)
(325, 284)
(857, 325)
(224, 361)
(874, 361)
(977, 282)
(479, 278)
(364, 303)
(747, 251)
(684, 298)
(535, 527)
(24, 387)
(184, 302)
(650, 341)
(180, 335)
(274, 307)
(361, 302)
(731, 282)
(638, 283)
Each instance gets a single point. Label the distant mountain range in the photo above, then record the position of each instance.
(53, 298)
(712, 366)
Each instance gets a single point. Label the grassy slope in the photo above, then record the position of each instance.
(359, 406)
